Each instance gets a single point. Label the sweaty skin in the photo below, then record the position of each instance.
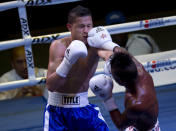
(81, 72)
(141, 105)
(79, 75)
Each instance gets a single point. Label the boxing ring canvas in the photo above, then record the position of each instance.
(26, 114)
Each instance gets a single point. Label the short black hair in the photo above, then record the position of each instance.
(123, 67)
(78, 11)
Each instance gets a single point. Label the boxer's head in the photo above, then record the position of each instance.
(79, 23)
(123, 69)
(18, 61)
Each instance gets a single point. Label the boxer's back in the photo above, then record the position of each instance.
(142, 103)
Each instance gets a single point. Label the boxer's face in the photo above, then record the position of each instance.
(80, 28)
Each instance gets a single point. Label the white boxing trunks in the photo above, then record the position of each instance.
(156, 128)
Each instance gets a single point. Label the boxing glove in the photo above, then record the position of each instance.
(102, 85)
(99, 37)
(74, 51)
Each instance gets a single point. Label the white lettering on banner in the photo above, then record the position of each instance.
(70, 100)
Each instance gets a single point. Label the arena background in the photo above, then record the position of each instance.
(26, 114)
(52, 19)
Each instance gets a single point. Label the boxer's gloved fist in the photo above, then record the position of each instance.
(99, 37)
(102, 85)
(74, 51)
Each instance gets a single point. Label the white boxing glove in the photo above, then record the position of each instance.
(74, 51)
(99, 37)
(102, 85)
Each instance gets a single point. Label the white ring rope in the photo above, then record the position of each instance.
(20, 3)
(113, 29)
(21, 83)
(4, 45)
(142, 25)
(28, 40)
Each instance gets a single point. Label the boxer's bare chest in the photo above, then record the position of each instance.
(81, 72)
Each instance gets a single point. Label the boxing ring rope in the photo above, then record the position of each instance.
(27, 40)
(21, 3)
(113, 29)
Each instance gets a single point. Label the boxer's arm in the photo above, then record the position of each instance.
(102, 85)
(129, 116)
(56, 54)
(121, 120)
(72, 53)
(104, 54)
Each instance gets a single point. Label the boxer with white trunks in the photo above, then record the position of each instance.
(141, 104)
(155, 128)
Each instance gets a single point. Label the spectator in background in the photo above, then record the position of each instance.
(19, 72)
(136, 44)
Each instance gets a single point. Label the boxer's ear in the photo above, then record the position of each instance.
(69, 26)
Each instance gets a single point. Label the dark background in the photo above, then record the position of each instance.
(49, 18)
(45, 20)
